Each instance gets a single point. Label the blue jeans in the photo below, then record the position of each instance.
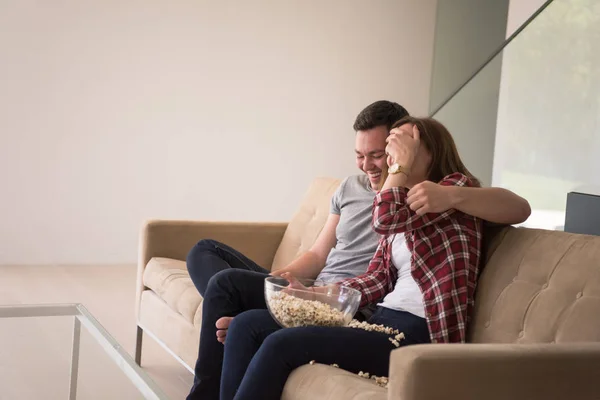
(259, 355)
(209, 257)
(230, 284)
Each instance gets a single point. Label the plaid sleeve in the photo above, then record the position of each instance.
(375, 283)
(391, 213)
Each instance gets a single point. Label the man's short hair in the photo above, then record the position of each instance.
(380, 113)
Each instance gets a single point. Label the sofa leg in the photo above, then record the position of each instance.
(138, 346)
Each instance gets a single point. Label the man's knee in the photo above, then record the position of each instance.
(203, 246)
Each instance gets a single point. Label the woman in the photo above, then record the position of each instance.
(423, 276)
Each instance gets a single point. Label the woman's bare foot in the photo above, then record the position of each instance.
(222, 326)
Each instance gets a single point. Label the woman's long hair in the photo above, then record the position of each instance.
(444, 155)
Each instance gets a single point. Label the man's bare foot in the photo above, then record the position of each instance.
(222, 326)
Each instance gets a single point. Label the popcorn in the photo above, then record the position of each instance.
(374, 328)
(292, 311)
(379, 380)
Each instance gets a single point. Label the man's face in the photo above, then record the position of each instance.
(370, 153)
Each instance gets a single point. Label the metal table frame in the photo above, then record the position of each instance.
(81, 316)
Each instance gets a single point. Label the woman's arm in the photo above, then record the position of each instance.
(392, 213)
(376, 282)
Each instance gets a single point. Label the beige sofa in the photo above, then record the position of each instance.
(535, 333)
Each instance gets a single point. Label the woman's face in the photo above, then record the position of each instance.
(420, 167)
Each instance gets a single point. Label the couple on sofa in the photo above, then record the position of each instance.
(407, 234)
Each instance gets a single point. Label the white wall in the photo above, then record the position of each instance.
(519, 11)
(471, 118)
(467, 32)
(113, 112)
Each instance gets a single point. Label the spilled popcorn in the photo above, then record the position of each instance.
(396, 339)
(398, 336)
(292, 311)
(379, 380)
(373, 327)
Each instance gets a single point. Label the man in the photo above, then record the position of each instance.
(231, 283)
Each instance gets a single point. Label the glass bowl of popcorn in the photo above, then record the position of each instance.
(314, 304)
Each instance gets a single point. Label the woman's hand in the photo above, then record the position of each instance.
(403, 145)
(430, 197)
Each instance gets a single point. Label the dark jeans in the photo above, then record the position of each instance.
(208, 257)
(259, 355)
(230, 284)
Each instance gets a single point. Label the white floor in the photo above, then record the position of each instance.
(35, 353)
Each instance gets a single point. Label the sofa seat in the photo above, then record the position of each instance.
(322, 382)
(170, 281)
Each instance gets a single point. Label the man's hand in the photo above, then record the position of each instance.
(294, 283)
(278, 272)
(428, 197)
(311, 292)
(403, 145)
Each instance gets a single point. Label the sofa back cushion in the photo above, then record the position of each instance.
(538, 287)
(307, 223)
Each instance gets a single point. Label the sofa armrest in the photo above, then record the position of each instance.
(174, 239)
(495, 371)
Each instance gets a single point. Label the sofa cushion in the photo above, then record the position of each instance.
(307, 223)
(170, 328)
(169, 279)
(539, 287)
(322, 382)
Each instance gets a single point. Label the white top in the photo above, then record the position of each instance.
(406, 295)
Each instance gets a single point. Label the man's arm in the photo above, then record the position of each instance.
(496, 205)
(310, 264)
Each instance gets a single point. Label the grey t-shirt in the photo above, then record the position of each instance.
(356, 241)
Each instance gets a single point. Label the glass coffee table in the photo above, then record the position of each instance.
(45, 353)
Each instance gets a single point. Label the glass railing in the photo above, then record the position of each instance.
(529, 120)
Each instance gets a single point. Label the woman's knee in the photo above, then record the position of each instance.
(253, 323)
(247, 320)
(282, 342)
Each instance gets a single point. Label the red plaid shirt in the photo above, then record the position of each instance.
(445, 249)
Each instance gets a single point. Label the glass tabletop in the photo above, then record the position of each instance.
(45, 353)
